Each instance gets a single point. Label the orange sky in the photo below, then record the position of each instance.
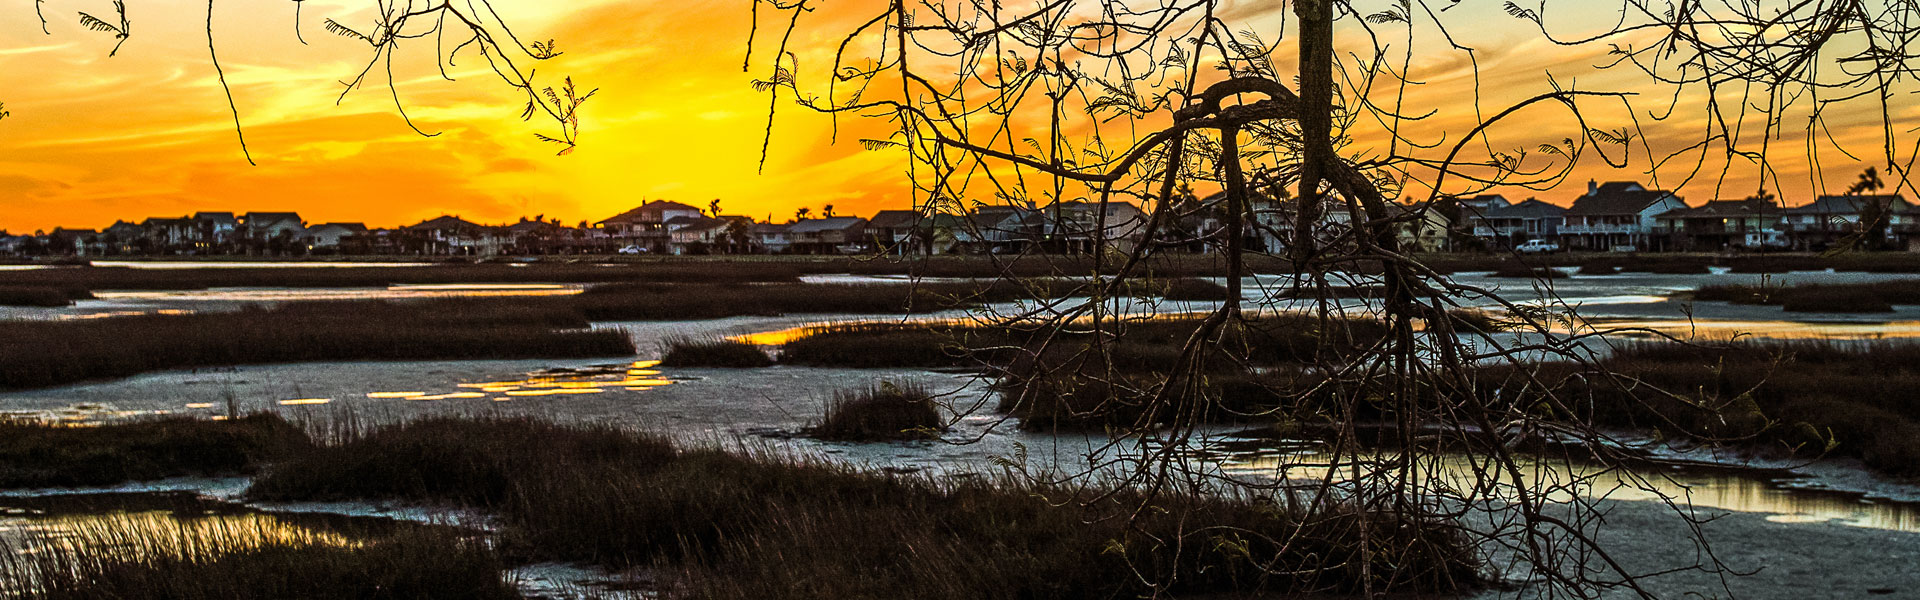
(146, 133)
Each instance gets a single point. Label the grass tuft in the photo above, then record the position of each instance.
(884, 412)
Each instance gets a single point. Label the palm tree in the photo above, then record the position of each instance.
(801, 215)
(827, 210)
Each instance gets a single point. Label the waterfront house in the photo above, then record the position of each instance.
(269, 225)
(831, 235)
(1753, 223)
(1617, 216)
(327, 237)
(773, 238)
(449, 234)
(1504, 226)
(896, 231)
(646, 225)
(1819, 224)
(705, 235)
(213, 231)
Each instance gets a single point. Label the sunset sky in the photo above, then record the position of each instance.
(146, 133)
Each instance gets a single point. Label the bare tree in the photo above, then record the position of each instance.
(1114, 101)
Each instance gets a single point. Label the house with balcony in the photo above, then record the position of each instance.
(832, 235)
(1504, 226)
(328, 237)
(1617, 216)
(646, 225)
(896, 231)
(1750, 224)
(773, 238)
(452, 235)
(1820, 224)
(710, 235)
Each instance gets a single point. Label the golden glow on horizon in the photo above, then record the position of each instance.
(93, 139)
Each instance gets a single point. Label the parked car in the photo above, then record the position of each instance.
(632, 250)
(1537, 247)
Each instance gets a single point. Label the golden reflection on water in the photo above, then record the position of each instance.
(1779, 330)
(1559, 482)
(598, 379)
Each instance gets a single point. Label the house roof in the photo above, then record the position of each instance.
(1724, 208)
(697, 223)
(217, 217)
(271, 216)
(1530, 208)
(653, 206)
(828, 224)
(894, 219)
(1847, 205)
(771, 228)
(445, 223)
(353, 227)
(1615, 198)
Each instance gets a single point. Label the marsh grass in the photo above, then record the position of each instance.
(39, 354)
(683, 351)
(884, 412)
(41, 296)
(1879, 296)
(1195, 289)
(649, 301)
(1805, 398)
(124, 278)
(764, 524)
(39, 454)
(209, 559)
(1466, 320)
(1514, 271)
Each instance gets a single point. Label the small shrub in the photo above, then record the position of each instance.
(884, 412)
(690, 352)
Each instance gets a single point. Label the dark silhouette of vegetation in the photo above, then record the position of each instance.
(41, 296)
(702, 352)
(50, 454)
(887, 411)
(716, 519)
(200, 560)
(39, 354)
(1879, 296)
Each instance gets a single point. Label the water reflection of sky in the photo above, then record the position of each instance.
(1699, 487)
(601, 379)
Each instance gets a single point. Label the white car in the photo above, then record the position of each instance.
(1537, 247)
(631, 250)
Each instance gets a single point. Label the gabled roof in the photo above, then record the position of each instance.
(771, 228)
(1617, 198)
(894, 219)
(353, 227)
(696, 223)
(445, 223)
(653, 206)
(1851, 205)
(1617, 187)
(216, 217)
(1723, 209)
(270, 216)
(828, 224)
(1530, 208)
